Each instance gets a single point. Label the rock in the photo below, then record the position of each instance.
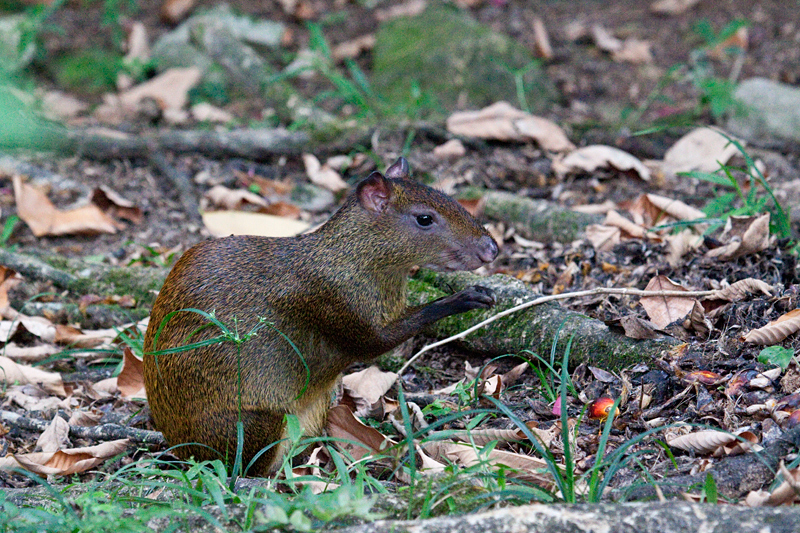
(770, 110)
(474, 70)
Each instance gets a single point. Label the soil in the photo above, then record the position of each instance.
(596, 93)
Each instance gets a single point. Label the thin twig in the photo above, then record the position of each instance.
(102, 432)
(549, 298)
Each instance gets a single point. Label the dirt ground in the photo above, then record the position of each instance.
(597, 92)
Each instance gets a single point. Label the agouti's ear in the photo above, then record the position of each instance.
(374, 192)
(398, 170)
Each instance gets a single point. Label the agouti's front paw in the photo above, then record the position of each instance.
(476, 297)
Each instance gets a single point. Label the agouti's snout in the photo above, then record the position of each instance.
(487, 249)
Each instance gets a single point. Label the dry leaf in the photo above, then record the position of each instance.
(353, 48)
(115, 205)
(367, 388)
(680, 244)
(503, 122)
(42, 217)
(674, 208)
(741, 290)
(341, 424)
(11, 372)
(170, 89)
(701, 442)
(221, 196)
(605, 40)
(130, 382)
(634, 51)
(323, 175)
(672, 7)
(65, 462)
(702, 149)
(775, 331)
(636, 328)
(616, 220)
(85, 418)
(452, 149)
(30, 353)
(747, 235)
(697, 320)
(224, 223)
(136, 45)
(784, 494)
(590, 158)
(174, 11)
(282, 209)
(55, 436)
(205, 112)
(72, 336)
(541, 40)
(735, 43)
(603, 238)
(664, 310)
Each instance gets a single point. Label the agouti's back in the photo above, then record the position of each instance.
(339, 295)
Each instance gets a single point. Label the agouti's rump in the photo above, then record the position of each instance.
(339, 296)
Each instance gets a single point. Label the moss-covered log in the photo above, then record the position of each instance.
(534, 329)
(537, 219)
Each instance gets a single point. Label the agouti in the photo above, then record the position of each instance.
(339, 294)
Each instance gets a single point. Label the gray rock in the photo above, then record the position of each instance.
(455, 59)
(770, 110)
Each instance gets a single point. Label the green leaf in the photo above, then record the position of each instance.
(776, 355)
(710, 489)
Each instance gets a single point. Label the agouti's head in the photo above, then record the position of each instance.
(443, 234)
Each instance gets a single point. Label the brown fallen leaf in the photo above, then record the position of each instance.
(632, 229)
(590, 158)
(746, 235)
(634, 51)
(452, 149)
(42, 217)
(11, 372)
(786, 493)
(674, 208)
(232, 199)
(741, 290)
(637, 328)
(701, 442)
(364, 440)
(664, 310)
(367, 387)
(282, 209)
(115, 205)
(541, 40)
(503, 122)
(353, 48)
(54, 437)
(130, 381)
(85, 417)
(605, 40)
(72, 336)
(603, 238)
(170, 89)
(323, 175)
(736, 43)
(65, 462)
(775, 331)
(702, 149)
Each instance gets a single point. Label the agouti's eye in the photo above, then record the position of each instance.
(424, 220)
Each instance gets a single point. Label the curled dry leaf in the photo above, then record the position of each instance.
(323, 175)
(741, 290)
(503, 122)
(784, 494)
(702, 149)
(747, 235)
(631, 228)
(674, 208)
(74, 337)
(85, 418)
(130, 382)
(115, 205)
(681, 243)
(367, 388)
(701, 442)
(35, 325)
(636, 328)
(11, 372)
(590, 158)
(775, 331)
(232, 199)
(42, 217)
(664, 310)
(65, 462)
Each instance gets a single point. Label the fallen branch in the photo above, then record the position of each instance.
(102, 432)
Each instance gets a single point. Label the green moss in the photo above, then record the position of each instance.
(93, 70)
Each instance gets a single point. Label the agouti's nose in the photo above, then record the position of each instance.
(487, 249)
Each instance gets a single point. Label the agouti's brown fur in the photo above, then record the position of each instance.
(338, 293)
